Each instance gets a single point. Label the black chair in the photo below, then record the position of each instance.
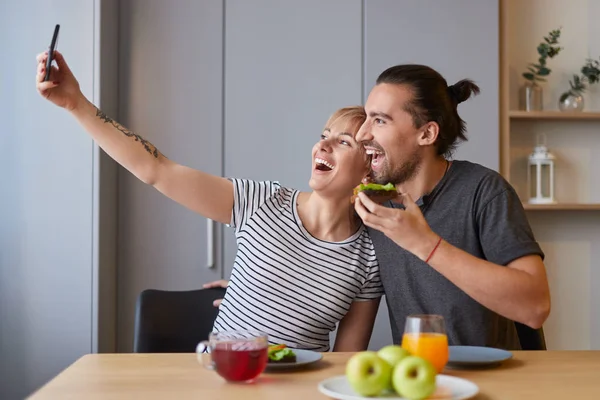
(531, 339)
(174, 321)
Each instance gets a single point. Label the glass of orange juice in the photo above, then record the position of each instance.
(425, 336)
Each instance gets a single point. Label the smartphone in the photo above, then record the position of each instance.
(51, 49)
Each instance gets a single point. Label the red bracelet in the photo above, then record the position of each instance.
(434, 249)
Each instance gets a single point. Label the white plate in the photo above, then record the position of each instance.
(448, 387)
(303, 357)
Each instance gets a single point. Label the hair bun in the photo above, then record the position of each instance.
(452, 93)
(462, 90)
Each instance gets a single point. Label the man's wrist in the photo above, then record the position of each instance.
(427, 247)
(437, 244)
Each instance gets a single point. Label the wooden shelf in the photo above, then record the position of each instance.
(513, 120)
(562, 207)
(555, 115)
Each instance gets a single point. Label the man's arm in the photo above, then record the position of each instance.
(354, 330)
(518, 291)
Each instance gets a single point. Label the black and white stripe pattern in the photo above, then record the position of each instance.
(285, 282)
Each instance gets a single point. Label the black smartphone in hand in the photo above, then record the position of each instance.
(53, 44)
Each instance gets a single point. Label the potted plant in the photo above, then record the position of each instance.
(572, 100)
(531, 92)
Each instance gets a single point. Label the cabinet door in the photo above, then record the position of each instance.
(288, 66)
(171, 81)
(45, 200)
(458, 38)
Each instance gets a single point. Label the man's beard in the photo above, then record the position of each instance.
(402, 173)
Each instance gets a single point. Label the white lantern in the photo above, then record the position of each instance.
(540, 175)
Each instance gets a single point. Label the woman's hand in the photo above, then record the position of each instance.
(216, 284)
(62, 89)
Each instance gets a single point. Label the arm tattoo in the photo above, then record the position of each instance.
(150, 148)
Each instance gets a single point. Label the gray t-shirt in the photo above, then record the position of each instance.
(476, 210)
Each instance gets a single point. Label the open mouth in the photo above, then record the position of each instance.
(377, 157)
(323, 165)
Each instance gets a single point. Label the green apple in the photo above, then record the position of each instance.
(368, 374)
(393, 354)
(414, 378)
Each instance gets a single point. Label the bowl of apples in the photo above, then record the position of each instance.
(394, 373)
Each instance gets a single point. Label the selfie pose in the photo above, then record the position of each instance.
(455, 241)
(305, 262)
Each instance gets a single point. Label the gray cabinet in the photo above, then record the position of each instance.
(459, 38)
(288, 66)
(171, 65)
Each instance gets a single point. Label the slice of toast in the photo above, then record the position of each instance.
(378, 193)
(378, 196)
(280, 353)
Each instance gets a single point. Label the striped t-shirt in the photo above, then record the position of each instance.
(285, 282)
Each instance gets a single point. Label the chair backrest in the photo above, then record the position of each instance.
(531, 339)
(174, 321)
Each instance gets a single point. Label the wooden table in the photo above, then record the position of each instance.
(529, 375)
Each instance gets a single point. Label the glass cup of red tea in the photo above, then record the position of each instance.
(237, 356)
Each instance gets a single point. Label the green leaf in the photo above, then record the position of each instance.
(280, 354)
(571, 85)
(554, 51)
(376, 186)
(529, 76)
(553, 36)
(591, 71)
(577, 84)
(544, 71)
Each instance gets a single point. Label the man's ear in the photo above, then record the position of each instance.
(429, 134)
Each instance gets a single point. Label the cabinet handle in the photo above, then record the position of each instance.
(210, 248)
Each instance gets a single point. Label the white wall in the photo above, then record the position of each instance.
(45, 201)
(57, 202)
(571, 240)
